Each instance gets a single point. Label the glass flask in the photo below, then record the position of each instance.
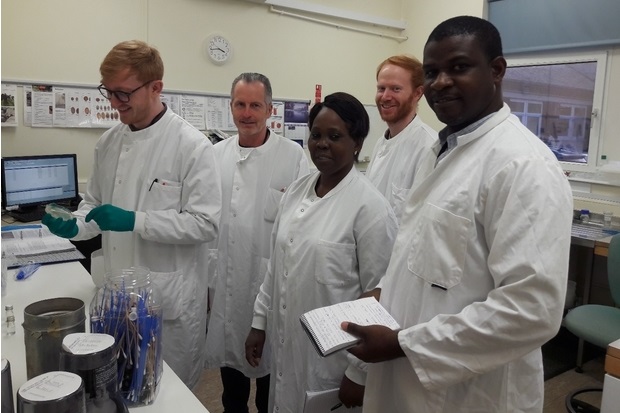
(128, 307)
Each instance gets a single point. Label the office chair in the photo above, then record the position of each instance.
(596, 324)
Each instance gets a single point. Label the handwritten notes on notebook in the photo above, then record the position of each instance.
(323, 324)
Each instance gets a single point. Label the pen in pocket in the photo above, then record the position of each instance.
(152, 183)
(26, 271)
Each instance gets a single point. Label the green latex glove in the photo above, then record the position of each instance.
(111, 218)
(60, 227)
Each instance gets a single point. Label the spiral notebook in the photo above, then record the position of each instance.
(323, 324)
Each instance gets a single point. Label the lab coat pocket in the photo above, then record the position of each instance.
(170, 286)
(439, 247)
(335, 263)
(162, 195)
(272, 203)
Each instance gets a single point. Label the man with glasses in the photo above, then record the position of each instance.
(155, 196)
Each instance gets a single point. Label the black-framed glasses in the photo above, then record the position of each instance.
(119, 94)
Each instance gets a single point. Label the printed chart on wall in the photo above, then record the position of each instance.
(296, 121)
(9, 111)
(47, 106)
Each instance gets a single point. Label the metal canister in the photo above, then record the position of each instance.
(7, 388)
(52, 392)
(93, 357)
(46, 323)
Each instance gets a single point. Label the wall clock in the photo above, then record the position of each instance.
(219, 49)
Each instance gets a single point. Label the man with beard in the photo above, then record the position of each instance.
(396, 156)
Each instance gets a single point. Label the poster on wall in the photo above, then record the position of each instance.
(78, 109)
(42, 106)
(59, 115)
(296, 121)
(102, 114)
(28, 105)
(218, 114)
(173, 101)
(193, 111)
(276, 120)
(298, 132)
(9, 110)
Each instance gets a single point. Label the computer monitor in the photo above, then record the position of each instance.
(31, 182)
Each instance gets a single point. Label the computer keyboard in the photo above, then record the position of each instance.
(28, 216)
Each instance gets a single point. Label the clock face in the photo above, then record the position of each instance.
(219, 49)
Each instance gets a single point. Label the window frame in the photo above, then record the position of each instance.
(600, 57)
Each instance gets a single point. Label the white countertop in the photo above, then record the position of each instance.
(72, 280)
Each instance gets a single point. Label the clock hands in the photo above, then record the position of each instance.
(217, 48)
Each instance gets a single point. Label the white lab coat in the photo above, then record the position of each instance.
(325, 251)
(395, 161)
(252, 187)
(167, 174)
(478, 277)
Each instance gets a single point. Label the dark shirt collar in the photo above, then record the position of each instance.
(154, 121)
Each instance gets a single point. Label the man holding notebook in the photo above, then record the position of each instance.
(477, 277)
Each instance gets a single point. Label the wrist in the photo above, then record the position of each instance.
(395, 350)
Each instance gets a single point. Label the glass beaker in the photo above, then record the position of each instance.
(128, 307)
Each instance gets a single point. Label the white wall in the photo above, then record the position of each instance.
(65, 41)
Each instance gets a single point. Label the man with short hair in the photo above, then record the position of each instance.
(257, 166)
(155, 196)
(396, 156)
(477, 277)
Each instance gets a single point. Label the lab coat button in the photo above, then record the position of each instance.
(282, 341)
(302, 210)
(284, 306)
(291, 240)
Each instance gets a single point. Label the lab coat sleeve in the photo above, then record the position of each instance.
(374, 246)
(263, 301)
(92, 199)
(526, 225)
(201, 200)
(357, 370)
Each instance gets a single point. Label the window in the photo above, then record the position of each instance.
(559, 98)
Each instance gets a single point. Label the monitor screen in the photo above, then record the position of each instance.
(38, 180)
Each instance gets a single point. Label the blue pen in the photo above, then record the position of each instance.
(26, 271)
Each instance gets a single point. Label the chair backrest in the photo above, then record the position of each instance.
(613, 268)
